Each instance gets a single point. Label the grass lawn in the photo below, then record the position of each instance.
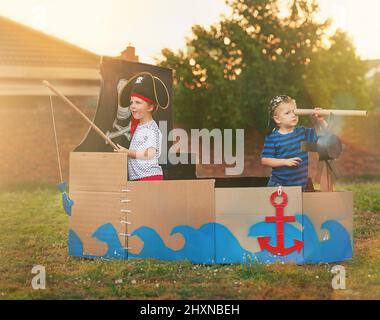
(34, 229)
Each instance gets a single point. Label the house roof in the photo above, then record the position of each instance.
(21, 45)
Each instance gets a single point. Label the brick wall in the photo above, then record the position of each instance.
(27, 147)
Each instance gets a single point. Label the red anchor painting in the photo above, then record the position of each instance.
(280, 221)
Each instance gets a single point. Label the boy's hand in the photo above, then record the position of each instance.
(121, 149)
(292, 162)
(319, 119)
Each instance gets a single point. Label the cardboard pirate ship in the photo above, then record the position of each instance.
(193, 219)
(221, 220)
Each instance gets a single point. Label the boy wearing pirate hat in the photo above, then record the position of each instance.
(282, 147)
(144, 93)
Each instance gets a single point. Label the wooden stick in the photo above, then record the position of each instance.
(327, 112)
(100, 132)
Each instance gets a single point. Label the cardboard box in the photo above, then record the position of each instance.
(115, 218)
(243, 212)
(328, 222)
(97, 181)
(170, 220)
(191, 219)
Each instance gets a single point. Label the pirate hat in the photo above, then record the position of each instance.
(147, 87)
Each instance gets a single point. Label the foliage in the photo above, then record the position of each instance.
(228, 73)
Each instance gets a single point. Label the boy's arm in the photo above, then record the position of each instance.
(272, 162)
(318, 121)
(268, 156)
(147, 154)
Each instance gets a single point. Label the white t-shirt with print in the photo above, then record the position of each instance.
(147, 135)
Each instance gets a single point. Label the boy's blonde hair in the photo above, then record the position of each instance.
(273, 104)
(277, 100)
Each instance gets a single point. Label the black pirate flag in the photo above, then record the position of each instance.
(113, 115)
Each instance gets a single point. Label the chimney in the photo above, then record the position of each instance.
(129, 54)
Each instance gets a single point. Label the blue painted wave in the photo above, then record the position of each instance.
(199, 244)
(215, 243)
(106, 233)
(337, 248)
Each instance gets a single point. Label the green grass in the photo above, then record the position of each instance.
(34, 227)
(366, 208)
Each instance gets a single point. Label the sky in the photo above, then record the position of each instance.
(106, 27)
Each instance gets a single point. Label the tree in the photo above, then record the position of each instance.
(226, 75)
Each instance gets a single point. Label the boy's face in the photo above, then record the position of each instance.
(284, 115)
(140, 108)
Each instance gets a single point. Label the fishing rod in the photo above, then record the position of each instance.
(97, 130)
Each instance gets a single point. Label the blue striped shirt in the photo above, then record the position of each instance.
(285, 146)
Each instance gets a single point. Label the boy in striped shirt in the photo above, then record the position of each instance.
(282, 147)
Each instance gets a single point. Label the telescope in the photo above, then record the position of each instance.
(328, 112)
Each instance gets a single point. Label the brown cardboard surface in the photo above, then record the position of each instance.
(323, 206)
(98, 171)
(254, 200)
(90, 211)
(163, 205)
(240, 208)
